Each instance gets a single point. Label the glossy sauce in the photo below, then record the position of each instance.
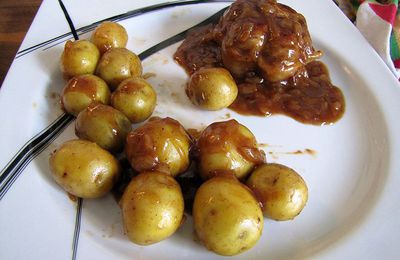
(83, 86)
(222, 137)
(159, 145)
(307, 95)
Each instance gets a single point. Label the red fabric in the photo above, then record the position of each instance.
(386, 12)
(396, 63)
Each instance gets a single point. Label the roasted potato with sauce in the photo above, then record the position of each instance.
(82, 90)
(103, 125)
(118, 64)
(84, 169)
(136, 98)
(227, 218)
(152, 207)
(78, 58)
(227, 147)
(109, 35)
(160, 145)
(281, 190)
(212, 88)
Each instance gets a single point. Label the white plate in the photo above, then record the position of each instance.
(353, 177)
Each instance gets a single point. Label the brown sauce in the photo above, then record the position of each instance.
(194, 133)
(222, 137)
(307, 96)
(72, 197)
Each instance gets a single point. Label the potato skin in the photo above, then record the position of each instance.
(84, 169)
(103, 125)
(227, 218)
(82, 90)
(212, 88)
(78, 58)
(152, 207)
(227, 147)
(135, 98)
(281, 190)
(118, 64)
(109, 35)
(161, 144)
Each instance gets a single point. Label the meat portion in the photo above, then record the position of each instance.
(267, 48)
(264, 37)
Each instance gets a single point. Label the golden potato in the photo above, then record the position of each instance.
(118, 64)
(281, 190)
(82, 90)
(152, 207)
(109, 35)
(227, 147)
(84, 169)
(78, 58)
(160, 145)
(227, 218)
(135, 98)
(103, 125)
(212, 88)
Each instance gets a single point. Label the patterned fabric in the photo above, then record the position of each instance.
(379, 22)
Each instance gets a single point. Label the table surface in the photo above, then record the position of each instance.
(15, 19)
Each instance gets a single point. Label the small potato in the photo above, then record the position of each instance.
(103, 125)
(118, 64)
(227, 147)
(78, 58)
(82, 90)
(152, 207)
(227, 218)
(212, 88)
(83, 169)
(109, 35)
(135, 98)
(281, 190)
(160, 145)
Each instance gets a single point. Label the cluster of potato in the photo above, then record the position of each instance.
(238, 187)
(102, 65)
(87, 168)
(106, 93)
